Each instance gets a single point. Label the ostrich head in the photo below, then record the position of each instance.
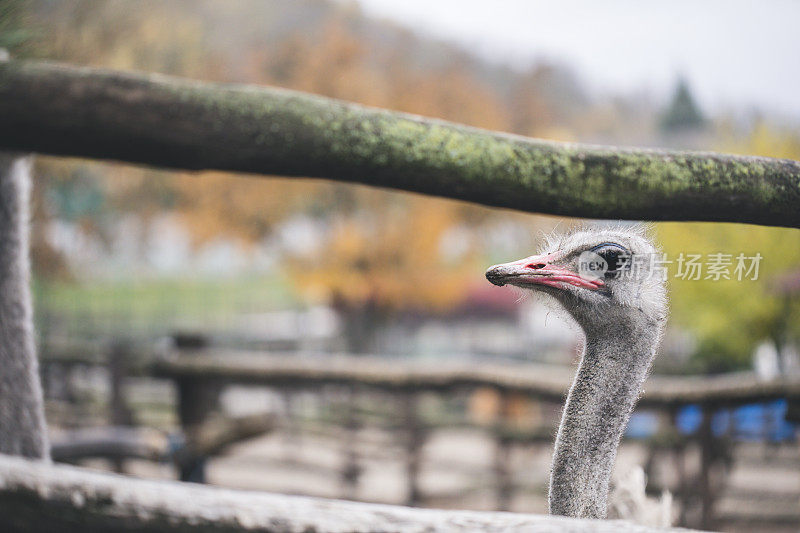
(602, 277)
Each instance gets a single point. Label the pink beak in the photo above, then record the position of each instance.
(539, 270)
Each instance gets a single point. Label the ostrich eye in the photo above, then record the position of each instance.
(615, 256)
(612, 258)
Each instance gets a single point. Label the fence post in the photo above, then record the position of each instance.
(707, 459)
(120, 413)
(678, 452)
(502, 454)
(24, 430)
(292, 441)
(351, 470)
(58, 381)
(414, 441)
(198, 398)
(118, 367)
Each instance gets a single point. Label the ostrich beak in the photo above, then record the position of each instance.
(539, 270)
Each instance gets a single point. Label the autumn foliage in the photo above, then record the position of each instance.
(381, 248)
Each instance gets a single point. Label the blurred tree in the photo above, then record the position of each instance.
(546, 99)
(334, 61)
(157, 36)
(387, 257)
(15, 29)
(682, 114)
(218, 204)
(729, 317)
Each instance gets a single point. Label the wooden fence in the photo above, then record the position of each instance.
(200, 376)
(149, 119)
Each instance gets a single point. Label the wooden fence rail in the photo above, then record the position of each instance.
(548, 382)
(170, 122)
(39, 497)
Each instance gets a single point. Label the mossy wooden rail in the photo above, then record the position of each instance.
(170, 122)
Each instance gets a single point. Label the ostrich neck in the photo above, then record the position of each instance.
(22, 427)
(612, 370)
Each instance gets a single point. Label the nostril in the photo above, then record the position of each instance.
(536, 266)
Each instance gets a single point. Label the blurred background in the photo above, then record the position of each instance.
(133, 263)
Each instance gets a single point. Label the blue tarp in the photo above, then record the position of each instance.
(753, 422)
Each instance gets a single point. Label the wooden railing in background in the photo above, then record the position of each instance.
(200, 375)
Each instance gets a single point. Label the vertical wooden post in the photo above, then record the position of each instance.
(707, 457)
(198, 398)
(118, 365)
(351, 470)
(119, 412)
(678, 450)
(58, 381)
(414, 442)
(21, 400)
(502, 454)
(292, 436)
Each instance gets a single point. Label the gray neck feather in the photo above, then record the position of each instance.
(614, 366)
(22, 425)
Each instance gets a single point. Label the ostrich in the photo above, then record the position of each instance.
(606, 280)
(22, 426)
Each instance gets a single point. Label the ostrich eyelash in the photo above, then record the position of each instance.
(605, 244)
